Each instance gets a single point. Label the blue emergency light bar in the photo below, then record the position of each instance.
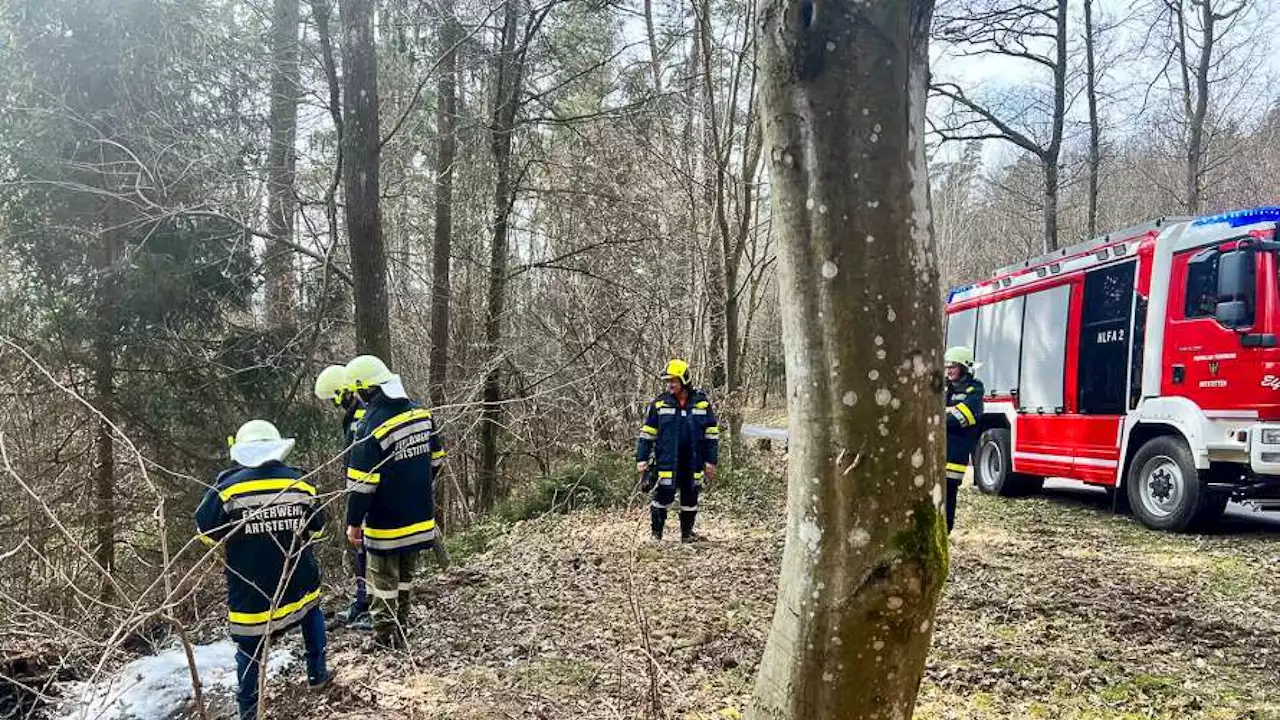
(956, 291)
(1240, 218)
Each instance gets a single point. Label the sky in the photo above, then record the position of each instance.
(1127, 82)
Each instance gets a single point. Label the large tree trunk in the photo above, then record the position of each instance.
(506, 102)
(442, 246)
(361, 152)
(843, 87)
(282, 161)
(1091, 88)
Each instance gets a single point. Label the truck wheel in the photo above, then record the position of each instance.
(993, 467)
(1164, 486)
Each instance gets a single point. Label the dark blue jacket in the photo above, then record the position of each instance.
(350, 423)
(268, 519)
(964, 412)
(390, 477)
(680, 439)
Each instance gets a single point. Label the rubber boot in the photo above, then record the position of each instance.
(658, 521)
(687, 518)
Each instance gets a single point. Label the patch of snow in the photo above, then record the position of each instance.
(159, 686)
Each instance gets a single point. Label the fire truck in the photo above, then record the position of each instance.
(1144, 361)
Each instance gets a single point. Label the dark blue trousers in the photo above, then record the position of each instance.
(249, 662)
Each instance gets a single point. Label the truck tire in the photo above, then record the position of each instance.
(1164, 487)
(993, 467)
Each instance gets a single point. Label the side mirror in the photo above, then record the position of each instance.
(1233, 314)
(1236, 288)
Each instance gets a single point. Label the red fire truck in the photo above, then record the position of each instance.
(1144, 361)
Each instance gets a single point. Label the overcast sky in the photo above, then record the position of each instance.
(1128, 82)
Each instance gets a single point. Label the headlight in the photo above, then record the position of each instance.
(1270, 436)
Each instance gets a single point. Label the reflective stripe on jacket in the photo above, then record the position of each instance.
(964, 411)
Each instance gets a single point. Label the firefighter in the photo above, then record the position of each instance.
(682, 437)
(390, 505)
(964, 409)
(332, 385)
(267, 518)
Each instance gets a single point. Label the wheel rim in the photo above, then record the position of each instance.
(991, 464)
(1162, 487)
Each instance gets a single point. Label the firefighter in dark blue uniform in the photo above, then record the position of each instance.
(266, 517)
(332, 385)
(964, 410)
(682, 436)
(390, 504)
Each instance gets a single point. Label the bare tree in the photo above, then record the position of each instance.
(866, 550)
(1197, 30)
(1033, 32)
(361, 157)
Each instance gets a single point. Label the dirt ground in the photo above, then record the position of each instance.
(1054, 609)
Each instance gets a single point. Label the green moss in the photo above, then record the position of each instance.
(926, 540)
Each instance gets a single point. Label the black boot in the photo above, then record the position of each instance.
(686, 526)
(657, 521)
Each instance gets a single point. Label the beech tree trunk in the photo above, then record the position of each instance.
(282, 161)
(361, 153)
(843, 92)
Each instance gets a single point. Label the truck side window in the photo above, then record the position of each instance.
(1202, 285)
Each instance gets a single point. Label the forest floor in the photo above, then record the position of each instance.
(1054, 609)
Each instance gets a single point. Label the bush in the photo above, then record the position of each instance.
(601, 482)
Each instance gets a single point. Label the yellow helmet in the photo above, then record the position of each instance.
(331, 383)
(959, 355)
(367, 371)
(677, 369)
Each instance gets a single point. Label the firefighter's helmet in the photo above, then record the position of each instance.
(366, 371)
(257, 442)
(677, 369)
(331, 383)
(959, 355)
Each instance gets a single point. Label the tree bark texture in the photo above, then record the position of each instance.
(1054, 150)
(506, 103)
(282, 161)
(104, 465)
(843, 90)
(1091, 90)
(442, 245)
(361, 153)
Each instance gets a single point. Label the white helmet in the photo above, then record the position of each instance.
(959, 355)
(331, 383)
(258, 442)
(368, 371)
